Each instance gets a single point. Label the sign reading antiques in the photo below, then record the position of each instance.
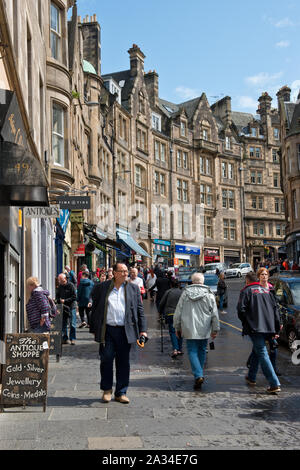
(42, 212)
(25, 373)
(74, 202)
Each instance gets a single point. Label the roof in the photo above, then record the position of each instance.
(295, 124)
(88, 67)
(241, 120)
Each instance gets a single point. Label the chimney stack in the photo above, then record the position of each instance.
(136, 60)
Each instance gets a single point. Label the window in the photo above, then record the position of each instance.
(185, 160)
(138, 176)
(228, 199)
(204, 134)
(275, 156)
(208, 226)
(58, 125)
(256, 177)
(261, 230)
(295, 204)
(159, 151)
(253, 131)
(206, 194)
(257, 202)
(141, 102)
(122, 206)
(227, 170)
(123, 128)
(179, 159)
(276, 180)
(227, 143)
(205, 166)
(276, 204)
(251, 151)
(159, 183)
(182, 128)
(229, 229)
(182, 190)
(276, 133)
(142, 140)
(257, 152)
(298, 154)
(55, 33)
(121, 165)
(156, 122)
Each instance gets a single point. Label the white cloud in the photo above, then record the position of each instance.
(263, 78)
(247, 102)
(283, 44)
(295, 86)
(186, 93)
(283, 23)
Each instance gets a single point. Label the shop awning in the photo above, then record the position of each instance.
(94, 233)
(127, 239)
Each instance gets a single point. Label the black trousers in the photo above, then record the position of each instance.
(116, 348)
(87, 311)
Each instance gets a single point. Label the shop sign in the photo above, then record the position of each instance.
(188, 250)
(74, 202)
(161, 242)
(80, 250)
(42, 212)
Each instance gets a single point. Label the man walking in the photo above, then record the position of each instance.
(117, 320)
(66, 295)
(83, 298)
(196, 319)
(258, 311)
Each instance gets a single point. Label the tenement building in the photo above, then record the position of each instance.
(290, 168)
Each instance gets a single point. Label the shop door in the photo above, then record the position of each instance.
(13, 301)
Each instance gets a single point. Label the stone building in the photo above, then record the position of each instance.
(290, 168)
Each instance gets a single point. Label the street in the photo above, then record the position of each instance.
(164, 411)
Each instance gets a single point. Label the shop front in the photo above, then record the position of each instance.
(127, 242)
(211, 255)
(187, 255)
(162, 252)
(293, 247)
(232, 256)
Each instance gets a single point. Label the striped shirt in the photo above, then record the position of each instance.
(37, 307)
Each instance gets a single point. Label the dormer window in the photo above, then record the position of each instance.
(253, 132)
(156, 122)
(227, 143)
(183, 128)
(113, 88)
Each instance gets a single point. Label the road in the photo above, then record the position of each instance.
(164, 413)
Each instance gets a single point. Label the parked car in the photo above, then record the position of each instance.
(184, 274)
(238, 270)
(211, 280)
(212, 267)
(287, 289)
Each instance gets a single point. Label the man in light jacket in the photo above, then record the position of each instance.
(196, 319)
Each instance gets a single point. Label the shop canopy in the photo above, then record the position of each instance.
(127, 239)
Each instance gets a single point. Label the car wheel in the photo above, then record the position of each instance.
(291, 337)
(239, 275)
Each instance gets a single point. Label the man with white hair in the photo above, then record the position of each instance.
(196, 319)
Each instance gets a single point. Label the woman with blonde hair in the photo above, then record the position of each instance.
(37, 307)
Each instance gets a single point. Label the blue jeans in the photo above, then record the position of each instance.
(221, 301)
(116, 347)
(176, 342)
(72, 321)
(197, 354)
(261, 357)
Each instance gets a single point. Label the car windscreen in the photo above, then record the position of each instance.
(295, 290)
(233, 266)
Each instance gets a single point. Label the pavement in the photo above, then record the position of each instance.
(164, 413)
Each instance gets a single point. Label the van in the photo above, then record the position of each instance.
(212, 267)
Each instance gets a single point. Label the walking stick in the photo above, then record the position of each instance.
(161, 334)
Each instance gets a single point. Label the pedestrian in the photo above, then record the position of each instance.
(196, 319)
(150, 281)
(258, 311)
(109, 274)
(71, 276)
(162, 284)
(66, 295)
(117, 321)
(221, 291)
(83, 268)
(167, 307)
(83, 298)
(38, 307)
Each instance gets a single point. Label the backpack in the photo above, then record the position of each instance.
(52, 308)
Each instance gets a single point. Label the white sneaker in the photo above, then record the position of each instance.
(82, 324)
(223, 311)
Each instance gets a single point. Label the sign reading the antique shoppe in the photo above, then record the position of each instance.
(25, 373)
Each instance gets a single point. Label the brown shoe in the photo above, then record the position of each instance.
(198, 383)
(106, 397)
(122, 399)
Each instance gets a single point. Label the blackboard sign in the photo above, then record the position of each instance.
(25, 373)
(56, 333)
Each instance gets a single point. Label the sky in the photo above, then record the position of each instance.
(221, 48)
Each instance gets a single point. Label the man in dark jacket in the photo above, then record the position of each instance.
(258, 311)
(162, 284)
(167, 307)
(66, 295)
(117, 321)
(83, 298)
